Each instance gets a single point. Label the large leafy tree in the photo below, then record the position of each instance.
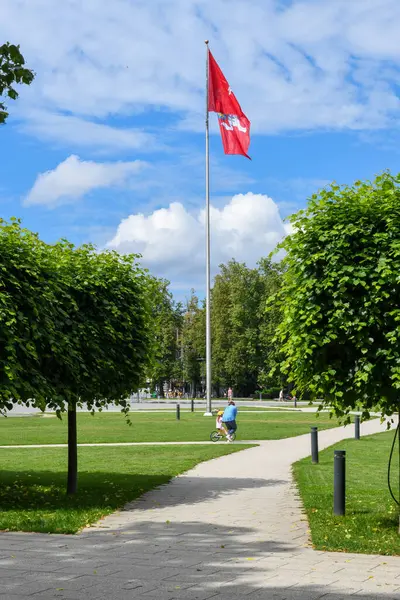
(75, 327)
(340, 297)
(167, 318)
(269, 353)
(243, 350)
(31, 295)
(12, 71)
(108, 324)
(193, 342)
(236, 298)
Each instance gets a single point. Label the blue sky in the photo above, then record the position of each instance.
(107, 145)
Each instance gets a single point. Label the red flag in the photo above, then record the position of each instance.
(233, 123)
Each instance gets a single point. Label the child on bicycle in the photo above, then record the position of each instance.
(219, 424)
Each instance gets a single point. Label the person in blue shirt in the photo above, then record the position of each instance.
(229, 419)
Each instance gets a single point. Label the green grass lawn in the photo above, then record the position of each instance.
(163, 427)
(371, 522)
(32, 482)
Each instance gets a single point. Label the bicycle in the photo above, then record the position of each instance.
(216, 436)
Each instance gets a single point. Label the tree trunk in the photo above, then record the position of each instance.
(72, 483)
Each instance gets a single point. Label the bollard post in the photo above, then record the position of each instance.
(357, 427)
(178, 412)
(192, 405)
(314, 445)
(339, 483)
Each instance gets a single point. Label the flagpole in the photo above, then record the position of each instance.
(208, 277)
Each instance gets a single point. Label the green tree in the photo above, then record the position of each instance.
(236, 296)
(167, 318)
(243, 350)
(109, 329)
(30, 300)
(193, 342)
(340, 297)
(269, 353)
(75, 327)
(12, 71)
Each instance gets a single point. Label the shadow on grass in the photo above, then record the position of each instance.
(181, 560)
(39, 489)
(31, 489)
(36, 500)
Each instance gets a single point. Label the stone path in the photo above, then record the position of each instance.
(231, 528)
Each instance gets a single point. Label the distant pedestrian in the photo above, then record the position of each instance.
(230, 393)
(281, 396)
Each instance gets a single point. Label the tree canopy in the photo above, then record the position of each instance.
(165, 335)
(243, 350)
(193, 337)
(340, 297)
(75, 326)
(12, 71)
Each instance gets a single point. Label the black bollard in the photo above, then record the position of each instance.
(339, 483)
(357, 427)
(314, 445)
(178, 412)
(192, 405)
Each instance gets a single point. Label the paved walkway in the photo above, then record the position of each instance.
(231, 528)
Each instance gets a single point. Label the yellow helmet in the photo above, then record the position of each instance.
(220, 412)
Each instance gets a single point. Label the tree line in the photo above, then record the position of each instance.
(242, 333)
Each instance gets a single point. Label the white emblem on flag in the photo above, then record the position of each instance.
(231, 121)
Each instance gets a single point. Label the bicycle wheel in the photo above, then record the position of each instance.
(215, 436)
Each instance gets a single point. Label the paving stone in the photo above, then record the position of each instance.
(103, 571)
(188, 594)
(28, 587)
(285, 594)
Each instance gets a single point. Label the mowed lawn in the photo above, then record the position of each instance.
(372, 518)
(32, 482)
(157, 427)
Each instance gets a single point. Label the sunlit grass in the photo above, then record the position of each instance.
(157, 427)
(372, 518)
(32, 482)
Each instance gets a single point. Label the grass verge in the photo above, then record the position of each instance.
(371, 522)
(156, 427)
(32, 482)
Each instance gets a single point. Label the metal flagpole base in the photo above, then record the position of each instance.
(207, 414)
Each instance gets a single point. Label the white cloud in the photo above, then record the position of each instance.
(304, 64)
(84, 133)
(172, 240)
(73, 178)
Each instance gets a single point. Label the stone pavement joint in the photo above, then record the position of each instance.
(231, 528)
